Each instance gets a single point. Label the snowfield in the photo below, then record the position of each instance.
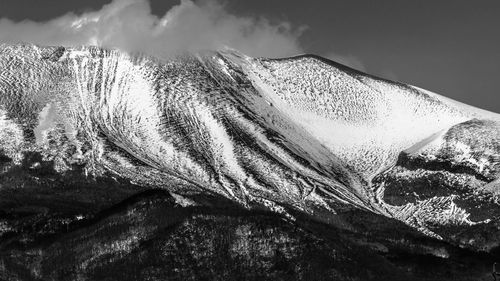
(301, 133)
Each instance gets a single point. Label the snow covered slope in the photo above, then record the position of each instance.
(301, 133)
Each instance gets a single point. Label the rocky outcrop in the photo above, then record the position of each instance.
(453, 177)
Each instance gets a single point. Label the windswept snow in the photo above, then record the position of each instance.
(302, 132)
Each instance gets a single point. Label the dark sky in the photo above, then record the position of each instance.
(451, 47)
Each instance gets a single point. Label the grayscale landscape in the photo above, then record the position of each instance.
(211, 164)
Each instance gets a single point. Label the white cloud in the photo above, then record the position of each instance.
(130, 25)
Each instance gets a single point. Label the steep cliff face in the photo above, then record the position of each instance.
(81, 129)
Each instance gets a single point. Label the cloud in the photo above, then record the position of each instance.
(130, 25)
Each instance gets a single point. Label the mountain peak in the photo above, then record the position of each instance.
(301, 133)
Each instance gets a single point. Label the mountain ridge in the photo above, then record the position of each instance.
(303, 133)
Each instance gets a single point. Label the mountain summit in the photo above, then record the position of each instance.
(300, 136)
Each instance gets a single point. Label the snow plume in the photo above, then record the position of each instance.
(348, 60)
(188, 26)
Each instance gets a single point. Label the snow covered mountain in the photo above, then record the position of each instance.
(301, 134)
